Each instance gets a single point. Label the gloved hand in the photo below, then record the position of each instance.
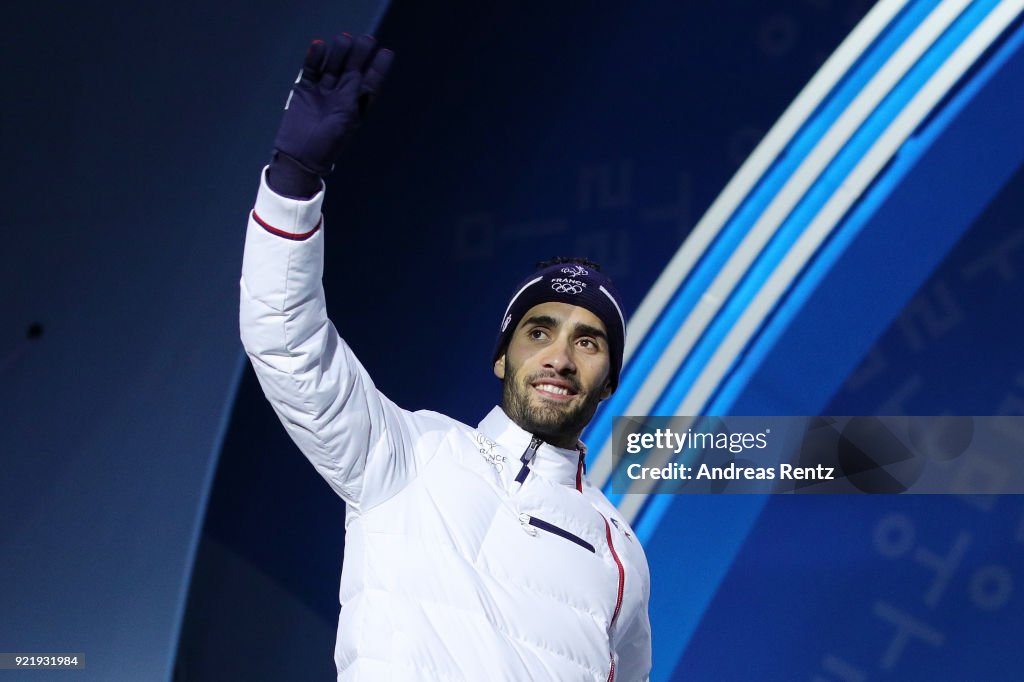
(326, 105)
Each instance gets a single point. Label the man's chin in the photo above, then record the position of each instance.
(552, 419)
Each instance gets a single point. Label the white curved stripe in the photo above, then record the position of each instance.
(825, 221)
(517, 295)
(795, 115)
(844, 197)
(775, 213)
(615, 303)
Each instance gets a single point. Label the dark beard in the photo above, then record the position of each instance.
(560, 427)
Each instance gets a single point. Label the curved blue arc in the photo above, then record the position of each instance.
(981, 115)
(732, 388)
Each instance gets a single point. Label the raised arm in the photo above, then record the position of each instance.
(357, 439)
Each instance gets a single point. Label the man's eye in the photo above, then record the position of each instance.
(536, 334)
(589, 344)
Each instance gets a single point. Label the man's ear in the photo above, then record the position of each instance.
(499, 367)
(608, 390)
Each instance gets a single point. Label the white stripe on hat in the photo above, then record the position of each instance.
(622, 320)
(518, 294)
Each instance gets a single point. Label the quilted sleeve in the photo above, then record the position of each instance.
(358, 440)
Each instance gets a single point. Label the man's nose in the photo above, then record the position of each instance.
(559, 358)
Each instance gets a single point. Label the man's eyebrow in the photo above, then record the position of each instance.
(542, 320)
(587, 330)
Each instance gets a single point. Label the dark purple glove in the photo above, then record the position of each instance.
(326, 105)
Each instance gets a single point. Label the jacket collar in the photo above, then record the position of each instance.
(558, 465)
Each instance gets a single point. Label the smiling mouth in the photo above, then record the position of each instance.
(554, 392)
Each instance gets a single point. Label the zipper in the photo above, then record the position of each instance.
(581, 469)
(527, 457)
(531, 524)
(618, 597)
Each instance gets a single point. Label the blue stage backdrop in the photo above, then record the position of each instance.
(508, 132)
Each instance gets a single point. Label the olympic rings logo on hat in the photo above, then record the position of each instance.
(567, 287)
(504, 323)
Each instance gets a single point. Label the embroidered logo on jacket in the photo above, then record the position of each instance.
(486, 447)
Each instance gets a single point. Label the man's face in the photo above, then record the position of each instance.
(555, 371)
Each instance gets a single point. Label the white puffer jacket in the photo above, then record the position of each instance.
(453, 570)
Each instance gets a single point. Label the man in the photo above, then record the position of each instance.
(471, 554)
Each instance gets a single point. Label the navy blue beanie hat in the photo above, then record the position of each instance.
(576, 282)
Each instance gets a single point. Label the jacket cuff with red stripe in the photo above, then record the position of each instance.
(295, 219)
